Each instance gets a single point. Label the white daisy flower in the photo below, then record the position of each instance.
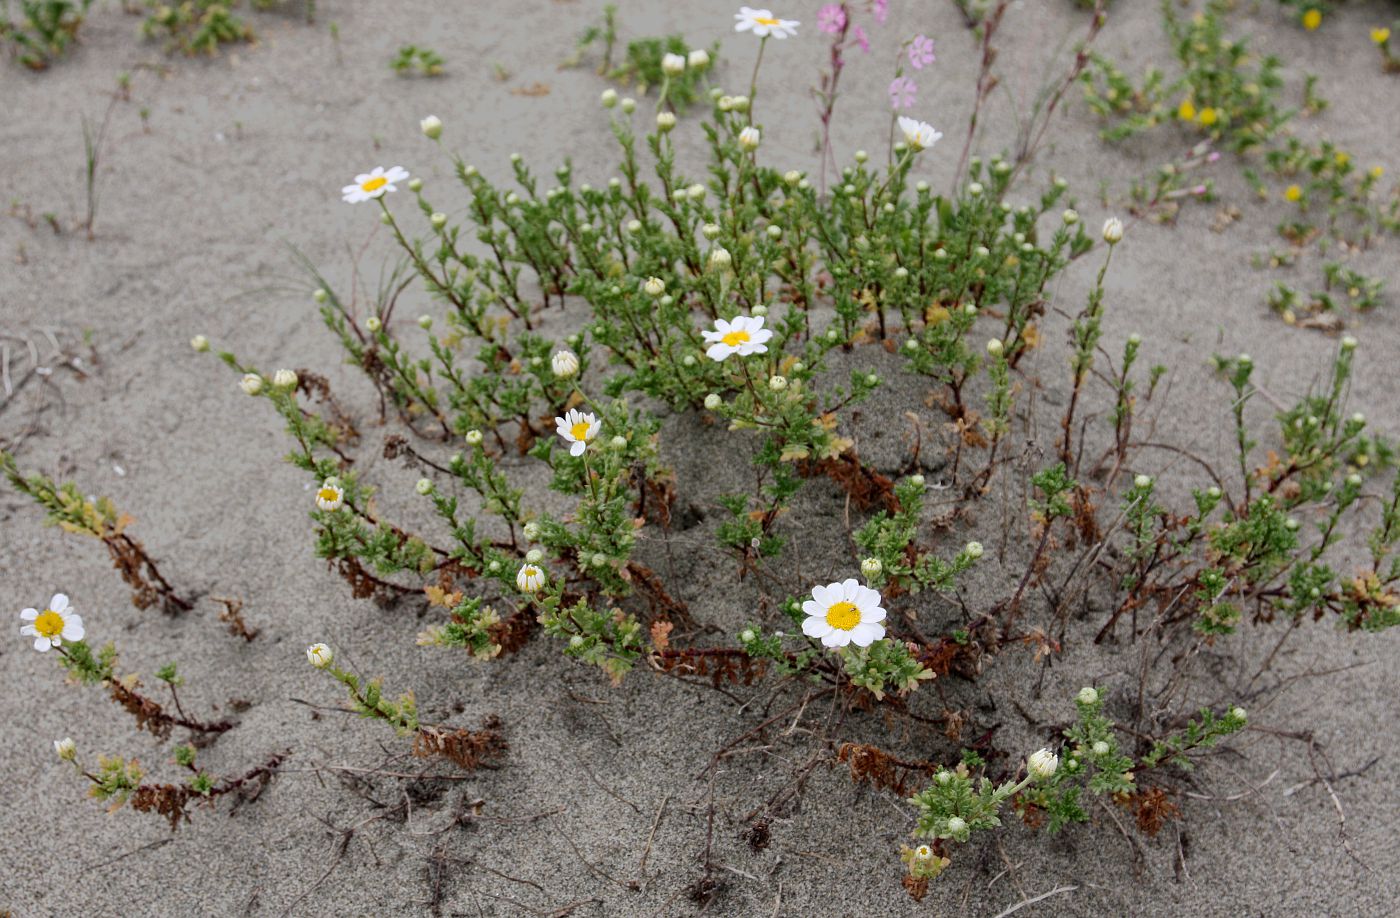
(529, 578)
(844, 613)
(577, 427)
(371, 185)
(763, 23)
(319, 655)
(54, 625)
(920, 135)
(743, 335)
(1042, 764)
(564, 364)
(330, 497)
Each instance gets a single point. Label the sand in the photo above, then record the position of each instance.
(598, 803)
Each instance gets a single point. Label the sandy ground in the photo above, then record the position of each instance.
(598, 801)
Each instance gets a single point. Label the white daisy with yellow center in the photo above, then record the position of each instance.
(577, 427)
(920, 135)
(53, 625)
(742, 335)
(844, 613)
(371, 185)
(529, 578)
(763, 23)
(330, 497)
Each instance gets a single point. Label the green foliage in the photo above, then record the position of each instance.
(640, 64)
(65, 505)
(1221, 91)
(412, 60)
(116, 780)
(195, 26)
(39, 32)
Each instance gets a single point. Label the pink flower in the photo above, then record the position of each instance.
(881, 9)
(831, 18)
(902, 92)
(860, 38)
(921, 52)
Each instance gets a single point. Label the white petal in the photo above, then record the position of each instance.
(59, 602)
(29, 614)
(718, 352)
(811, 608)
(397, 174)
(869, 616)
(816, 627)
(42, 644)
(824, 595)
(722, 327)
(762, 335)
(866, 633)
(850, 590)
(362, 178)
(837, 638)
(26, 630)
(578, 448)
(73, 629)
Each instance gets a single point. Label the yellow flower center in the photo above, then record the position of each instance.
(763, 20)
(49, 624)
(374, 184)
(1293, 192)
(579, 431)
(843, 616)
(530, 573)
(1208, 116)
(735, 338)
(329, 495)
(1312, 19)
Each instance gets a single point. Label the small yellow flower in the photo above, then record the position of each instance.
(1377, 172)
(1208, 116)
(1342, 158)
(1293, 193)
(1186, 111)
(1312, 19)
(1380, 36)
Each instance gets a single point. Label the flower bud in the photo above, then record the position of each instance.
(956, 825)
(431, 127)
(699, 59)
(995, 347)
(373, 323)
(424, 486)
(777, 383)
(720, 258)
(438, 220)
(1348, 343)
(1070, 217)
(1042, 764)
(608, 98)
(564, 364)
(1087, 695)
(665, 121)
(713, 401)
(1112, 230)
(1142, 481)
(1099, 748)
(534, 556)
(251, 384)
(285, 379)
(871, 567)
(532, 531)
(654, 286)
(474, 437)
(974, 550)
(199, 343)
(672, 64)
(65, 749)
(319, 655)
(749, 138)
(746, 636)
(629, 105)
(320, 295)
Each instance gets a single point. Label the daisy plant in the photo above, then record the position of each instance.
(66, 507)
(669, 64)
